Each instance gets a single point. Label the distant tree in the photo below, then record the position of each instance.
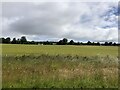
(71, 42)
(14, 41)
(93, 43)
(97, 43)
(88, 43)
(81, 43)
(114, 44)
(18, 41)
(77, 43)
(48, 43)
(65, 41)
(23, 40)
(60, 42)
(7, 40)
(32, 42)
(3, 40)
(106, 43)
(110, 43)
(0, 40)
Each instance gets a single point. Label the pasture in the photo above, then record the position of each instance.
(8, 49)
(55, 66)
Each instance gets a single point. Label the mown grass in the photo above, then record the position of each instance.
(37, 66)
(8, 49)
(46, 71)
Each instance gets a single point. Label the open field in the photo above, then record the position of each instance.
(39, 66)
(9, 49)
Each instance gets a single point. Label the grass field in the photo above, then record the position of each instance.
(62, 50)
(40, 66)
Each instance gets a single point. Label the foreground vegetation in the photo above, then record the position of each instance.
(58, 71)
(29, 66)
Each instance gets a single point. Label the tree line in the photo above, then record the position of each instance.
(64, 41)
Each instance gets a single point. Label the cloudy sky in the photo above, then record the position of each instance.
(80, 21)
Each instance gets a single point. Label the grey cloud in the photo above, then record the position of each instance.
(77, 21)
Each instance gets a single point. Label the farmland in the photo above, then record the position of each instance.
(62, 50)
(59, 66)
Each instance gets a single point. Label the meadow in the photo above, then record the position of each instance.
(9, 49)
(59, 66)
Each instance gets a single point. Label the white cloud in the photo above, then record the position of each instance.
(53, 20)
(36, 1)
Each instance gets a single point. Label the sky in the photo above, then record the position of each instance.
(80, 21)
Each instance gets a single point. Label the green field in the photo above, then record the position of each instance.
(62, 50)
(55, 66)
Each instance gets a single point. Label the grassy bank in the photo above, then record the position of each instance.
(46, 71)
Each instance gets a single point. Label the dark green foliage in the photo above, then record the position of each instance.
(3, 40)
(14, 41)
(64, 41)
(71, 42)
(23, 40)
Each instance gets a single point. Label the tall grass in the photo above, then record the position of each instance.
(58, 71)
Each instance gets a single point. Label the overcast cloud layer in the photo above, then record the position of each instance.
(56, 20)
